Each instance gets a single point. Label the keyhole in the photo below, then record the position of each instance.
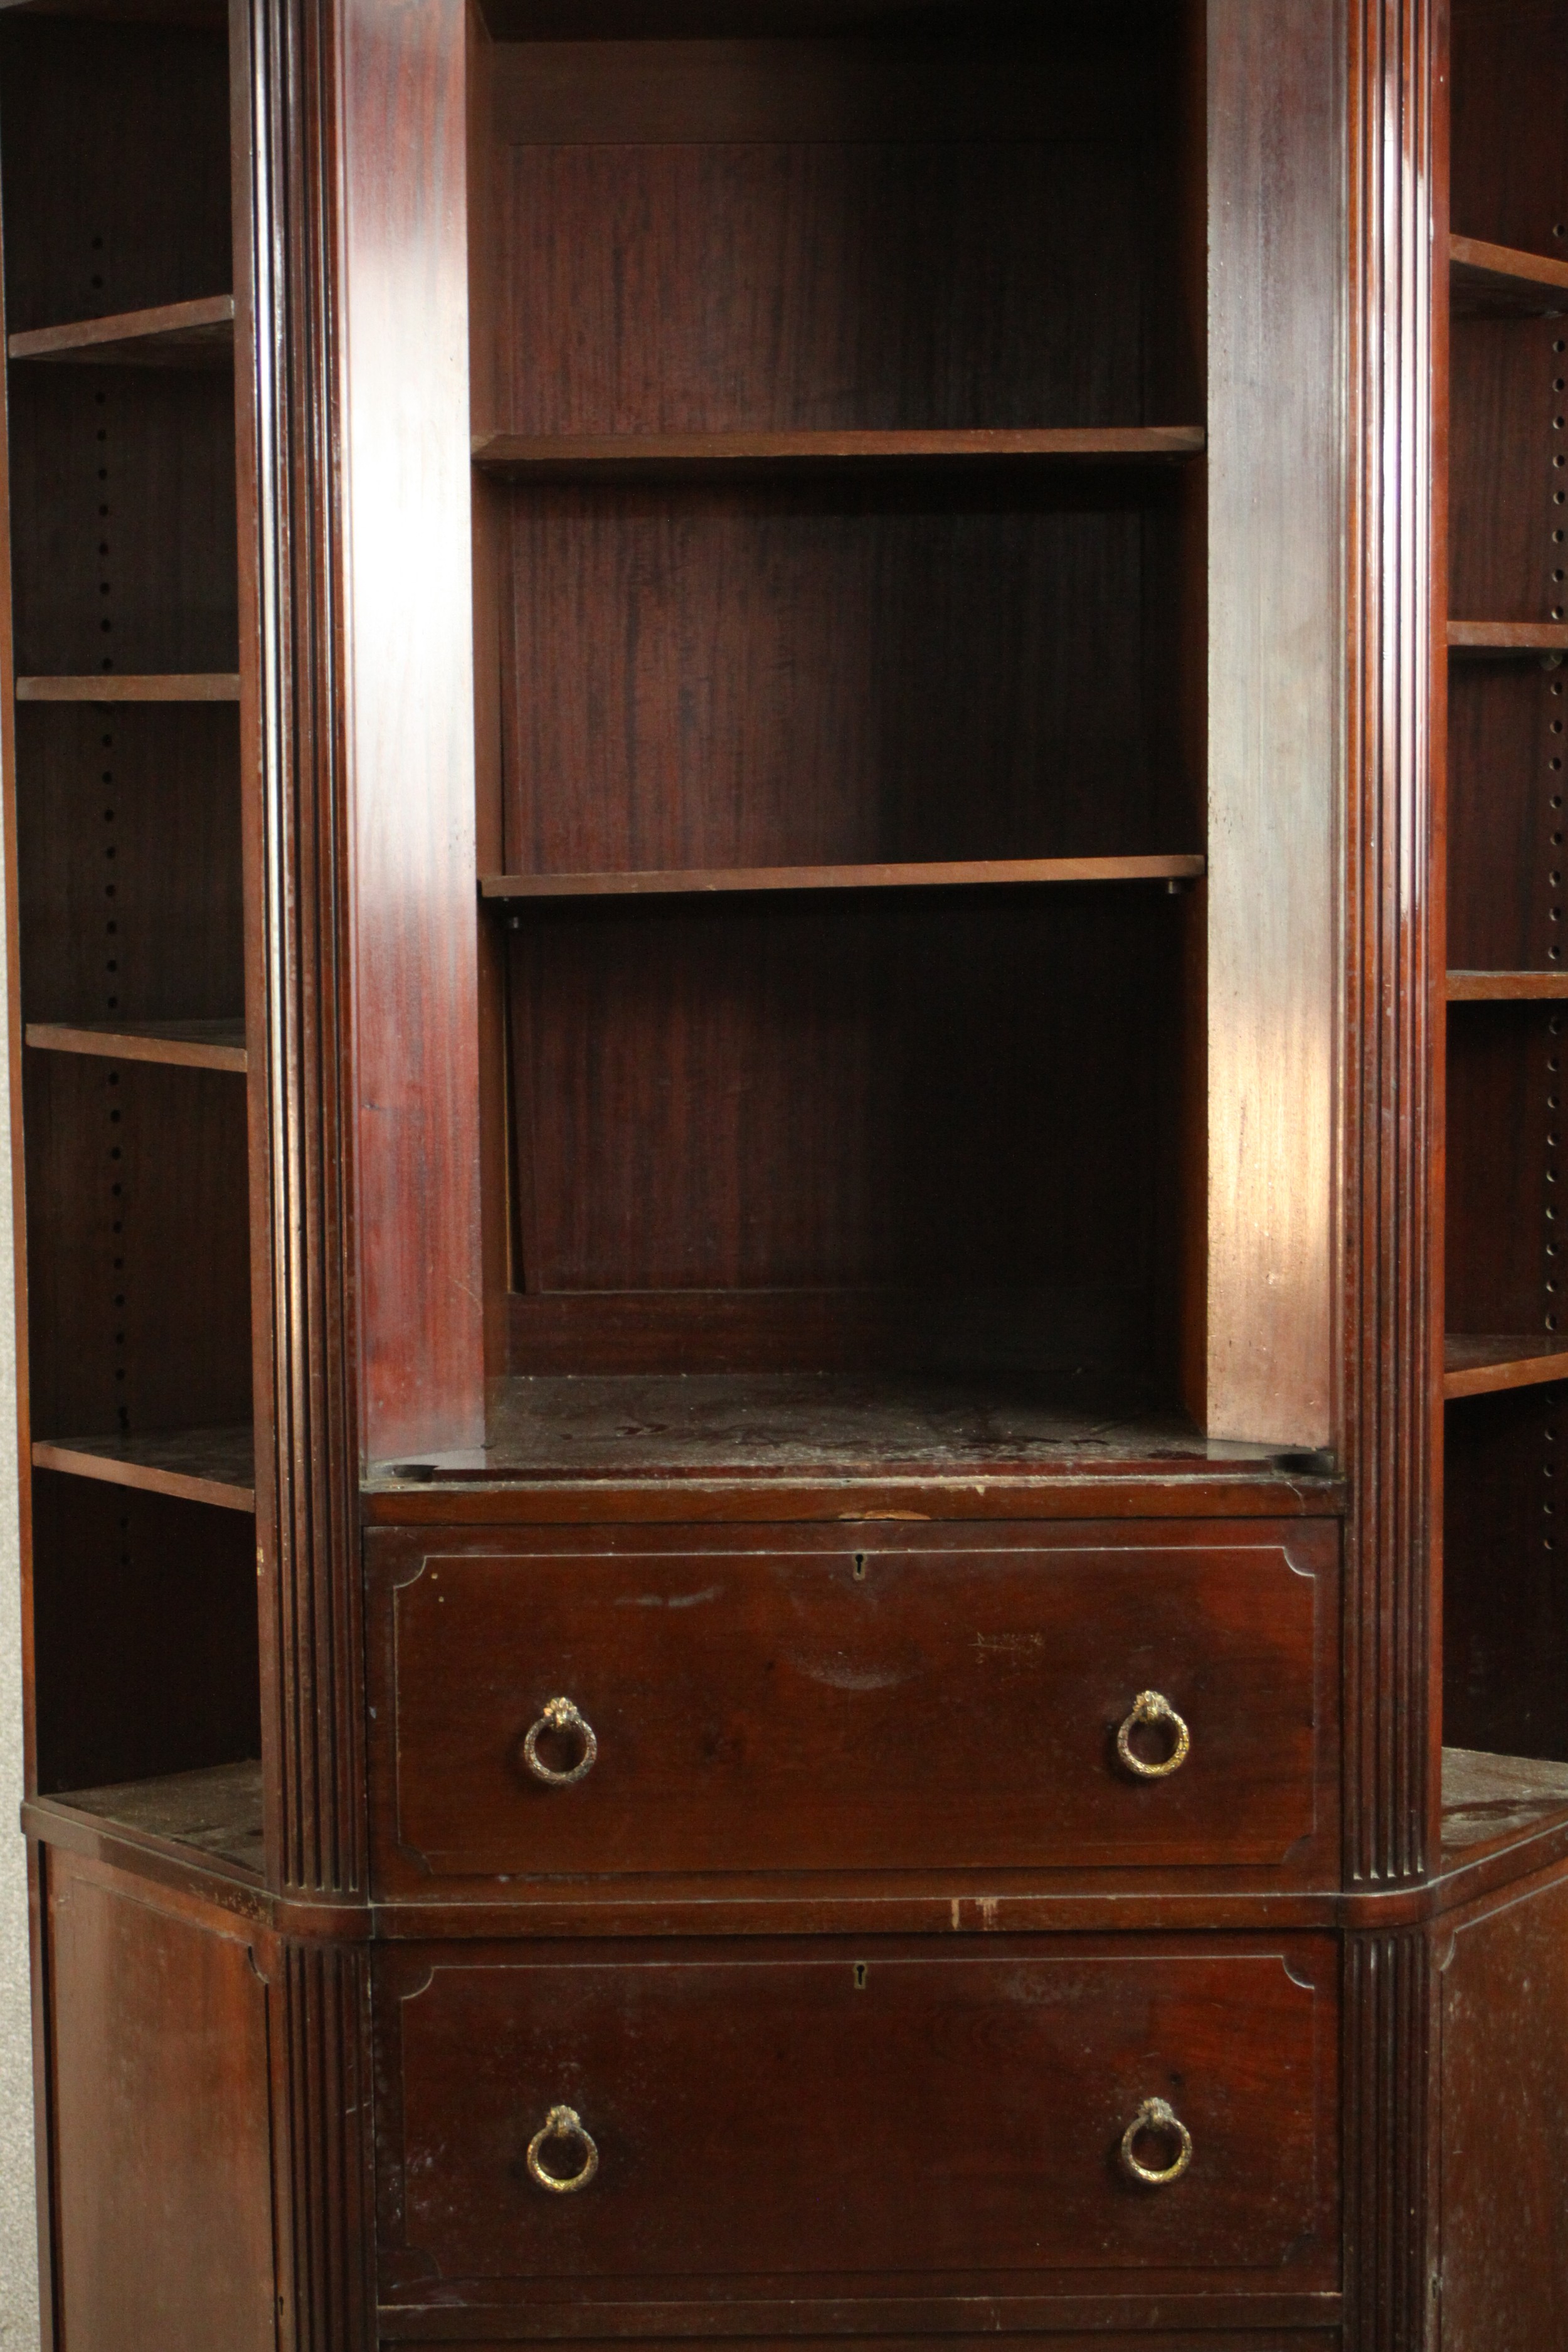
(860, 1976)
(860, 1568)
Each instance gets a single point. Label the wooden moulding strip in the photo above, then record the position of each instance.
(1483, 1363)
(1507, 987)
(698, 880)
(172, 1467)
(203, 686)
(1507, 637)
(1513, 278)
(178, 334)
(544, 455)
(182, 1045)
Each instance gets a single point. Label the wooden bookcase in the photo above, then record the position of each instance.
(784, 800)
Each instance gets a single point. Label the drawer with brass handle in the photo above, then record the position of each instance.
(895, 1700)
(685, 2124)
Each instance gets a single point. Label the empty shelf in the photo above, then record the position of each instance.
(176, 334)
(1480, 1363)
(197, 1466)
(842, 878)
(217, 1811)
(200, 685)
(1491, 1800)
(649, 456)
(1507, 637)
(187, 1045)
(1496, 277)
(1506, 987)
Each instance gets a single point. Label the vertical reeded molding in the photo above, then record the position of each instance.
(307, 1444)
(1389, 2117)
(1393, 959)
(320, 2012)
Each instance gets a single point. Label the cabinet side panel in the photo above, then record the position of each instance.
(1505, 2091)
(162, 2127)
(1275, 224)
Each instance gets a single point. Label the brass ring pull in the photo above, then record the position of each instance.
(1156, 2115)
(1149, 1707)
(564, 2123)
(560, 1714)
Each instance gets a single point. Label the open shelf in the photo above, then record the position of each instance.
(1507, 987)
(196, 1465)
(185, 1045)
(644, 457)
(1507, 637)
(966, 874)
(217, 1811)
(1493, 1801)
(1494, 277)
(206, 686)
(175, 334)
(1482, 1363)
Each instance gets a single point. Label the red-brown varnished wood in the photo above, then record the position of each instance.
(873, 2126)
(1507, 637)
(829, 1705)
(991, 873)
(1491, 277)
(1478, 1364)
(198, 1466)
(176, 334)
(161, 2138)
(180, 687)
(1506, 987)
(177, 1045)
(672, 456)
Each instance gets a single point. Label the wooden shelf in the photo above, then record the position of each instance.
(670, 456)
(183, 1044)
(1507, 987)
(1493, 1801)
(216, 1812)
(177, 334)
(1507, 637)
(1495, 278)
(966, 875)
(1482, 1363)
(197, 1466)
(201, 686)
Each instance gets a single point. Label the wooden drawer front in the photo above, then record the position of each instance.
(936, 2120)
(896, 1709)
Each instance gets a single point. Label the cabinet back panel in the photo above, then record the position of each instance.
(138, 1262)
(1505, 1081)
(145, 1633)
(116, 168)
(1507, 820)
(123, 519)
(1509, 102)
(1505, 1597)
(703, 236)
(128, 867)
(1508, 553)
(959, 1095)
(711, 677)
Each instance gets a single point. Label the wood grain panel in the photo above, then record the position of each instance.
(1510, 79)
(743, 677)
(161, 2126)
(145, 1633)
(1505, 1621)
(176, 334)
(757, 2060)
(693, 882)
(1508, 826)
(1274, 650)
(1504, 1247)
(786, 1711)
(409, 703)
(791, 1094)
(1508, 461)
(116, 168)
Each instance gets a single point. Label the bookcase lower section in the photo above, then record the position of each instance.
(258, 2139)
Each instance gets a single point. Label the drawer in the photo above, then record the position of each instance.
(778, 2122)
(858, 1702)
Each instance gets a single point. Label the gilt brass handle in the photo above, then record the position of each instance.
(564, 2123)
(1149, 1707)
(560, 1714)
(1156, 2115)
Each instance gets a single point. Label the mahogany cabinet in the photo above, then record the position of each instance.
(785, 848)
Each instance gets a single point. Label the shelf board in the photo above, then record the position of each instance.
(182, 1045)
(1494, 1801)
(217, 1811)
(1496, 277)
(1507, 637)
(624, 457)
(176, 334)
(196, 1465)
(698, 881)
(1482, 1363)
(200, 685)
(1507, 987)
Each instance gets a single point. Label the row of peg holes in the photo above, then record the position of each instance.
(112, 1114)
